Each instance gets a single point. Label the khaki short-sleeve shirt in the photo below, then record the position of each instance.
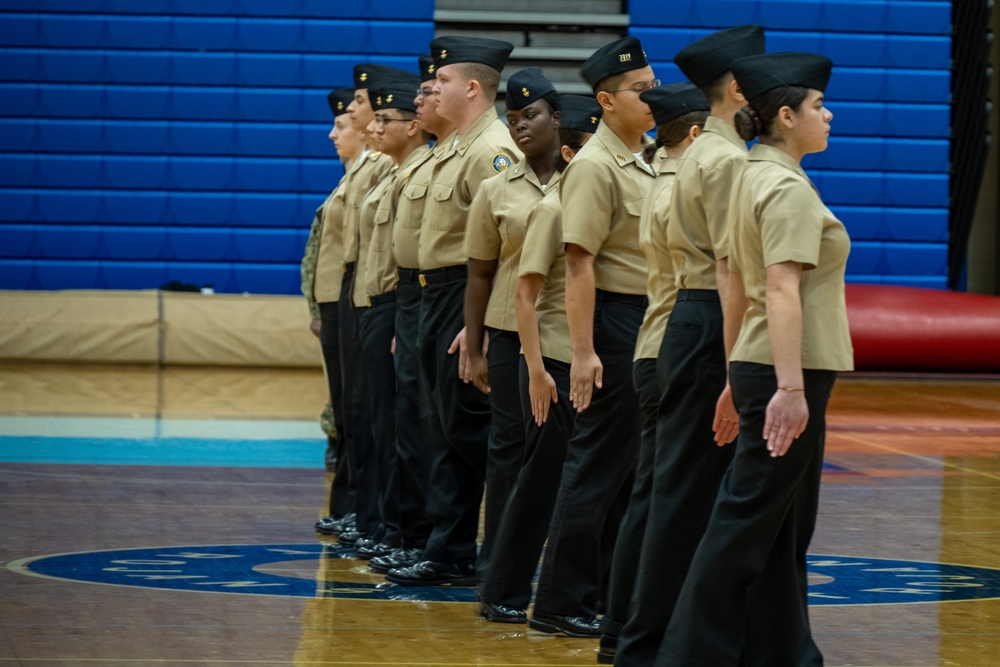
(779, 217)
(495, 231)
(377, 233)
(371, 207)
(699, 208)
(661, 289)
(368, 173)
(484, 151)
(544, 254)
(602, 193)
(410, 210)
(330, 259)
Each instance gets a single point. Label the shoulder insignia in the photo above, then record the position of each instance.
(500, 162)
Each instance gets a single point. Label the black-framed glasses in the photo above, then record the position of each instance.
(381, 121)
(640, 87)
(425, 92)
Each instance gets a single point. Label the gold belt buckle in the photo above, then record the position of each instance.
(343, 267)
(423, 280)
(369, 302)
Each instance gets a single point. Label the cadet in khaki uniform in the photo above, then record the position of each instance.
(371, 168)
(688, 465)
(375, 293)
(786, 301)
(493, 241)
(468, 73)
(414, 427)
(602, 192)
(544, 386)
(680, 111)
(321, 285)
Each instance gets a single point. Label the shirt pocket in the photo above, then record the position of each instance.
(442, 193)
(382, 234)
(412, 202)
(632, 211)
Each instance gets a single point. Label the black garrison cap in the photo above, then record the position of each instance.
(525, 86)
(759, 74)
(427, 69)
(368, 74)
(623, 55)
(449, 50)
(579, 112)
(339, 100)
(710, 57)
(673, 100)
(394, 93)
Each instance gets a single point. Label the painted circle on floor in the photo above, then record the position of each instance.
(317, 570)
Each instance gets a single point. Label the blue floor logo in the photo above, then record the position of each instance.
(315, 570)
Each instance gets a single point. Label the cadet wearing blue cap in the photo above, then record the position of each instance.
(602, 191)
(689, 465)
(540, 306)
(680, 111)
(468, 74)
(788, 256)
(493, 242)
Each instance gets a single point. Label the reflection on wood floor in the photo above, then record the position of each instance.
(913, 474)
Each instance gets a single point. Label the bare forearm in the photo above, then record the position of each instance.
(580, 288)
(527, 321)
(477, 297)
(784, 324)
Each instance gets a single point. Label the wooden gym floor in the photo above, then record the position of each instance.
(164, 517)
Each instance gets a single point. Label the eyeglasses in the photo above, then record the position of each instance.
(425, 92)
(380, 122)
(640, 87)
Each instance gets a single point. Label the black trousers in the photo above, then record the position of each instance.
(747, 584)
(462, 413)
(525, 521)
(505, 453)
(413, 416)
(357, 415)
(378, 326)
(345, 478)
(600, 462)
(625, 560)
(687, 469)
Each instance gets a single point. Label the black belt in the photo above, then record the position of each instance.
(709, 295)
(388, 297)
(408, 276)
(638, 300)
(349, 267)
(446, 274)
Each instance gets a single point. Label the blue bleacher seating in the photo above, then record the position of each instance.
(268, 34)
(400, 9)
(59, 206)
(69, 171)
(269, 69)
(135, 207)
(275, 105)
(206, 68)
(203, 33)
(319, 176)
(16, 240)
(267, 175)
(268, 139)
(64, 101)
(139, 67)
(210, 209)
(268, 245)
(397, 37)
(928, 225)
(18, 134)
(71, 66)
(19, 65)
(68, 274)
(197, 244)
(133, 275)
(202, 173)
(146, 6)
(138, 102)
(190, 103)
(135, 172)
(20, 30)
(73, 31)
(18, 170)
(138, 32)
(267, 278)
(270, 210)
(212, 138)
(326, 72)
(334, 36)
(135, 243)
(67, 241)
(17, 274)
(19, 205)
(69, 136)
(140, 136)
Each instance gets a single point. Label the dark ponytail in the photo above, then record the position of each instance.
(673, 132)
(757, 118)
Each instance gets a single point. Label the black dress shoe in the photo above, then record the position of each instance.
(399, 558)
(350, 538)
(330, 525)
(605, 655)
(371, 549)
(571, 626)
(501, 613)
(429, 573)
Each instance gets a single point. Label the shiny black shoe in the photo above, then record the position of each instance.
(429, 573)
(371, 549)
(329, 525)
(398, 558)
(571, 626)
(350, 538)
(501, 613)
